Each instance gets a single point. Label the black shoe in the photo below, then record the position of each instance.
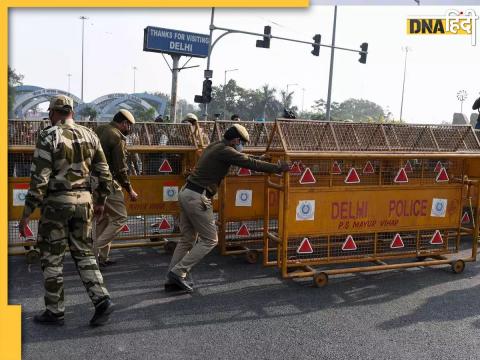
(102, 312)
(181, 282)
(171, 286)
(105, 263)
(49, 318)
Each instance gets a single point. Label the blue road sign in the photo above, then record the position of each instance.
(175, 42)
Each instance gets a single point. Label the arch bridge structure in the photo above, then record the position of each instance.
(28, 97)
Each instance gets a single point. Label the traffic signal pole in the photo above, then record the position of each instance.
(332, 56)
(208, 74)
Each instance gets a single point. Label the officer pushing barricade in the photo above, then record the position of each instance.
(195, 199)
(65, 157)
(113, 139)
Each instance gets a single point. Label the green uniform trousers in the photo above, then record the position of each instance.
(66, 220)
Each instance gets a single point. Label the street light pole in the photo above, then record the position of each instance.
(225, 92)
(69, 76)
(134, 70)
(332, 55)
(83, 18)
(286, 95)
(303, 97)
(407, 49)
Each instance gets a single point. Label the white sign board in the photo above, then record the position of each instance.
(170, 193)
(305, 210)
(243, 198)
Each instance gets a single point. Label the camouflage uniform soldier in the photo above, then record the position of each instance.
(66, 155)
(113, 139)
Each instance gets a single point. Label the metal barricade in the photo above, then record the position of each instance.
(160, 156)
(359, 192)
(241, 197)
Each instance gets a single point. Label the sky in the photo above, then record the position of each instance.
(45, 46)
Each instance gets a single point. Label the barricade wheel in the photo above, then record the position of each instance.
(320, 279)
(421, 258)
(458, 266)
(170, 247)
(251, 256)
(32, 256)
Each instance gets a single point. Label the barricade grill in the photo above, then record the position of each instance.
(370, 193)
(160, 156)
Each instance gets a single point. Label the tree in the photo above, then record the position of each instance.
(88, 112)
(14, 79)
(351, 109)
(143, 115)
(271, 106)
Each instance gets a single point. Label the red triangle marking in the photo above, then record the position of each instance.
(437, 238)
(164, 225)
(397, 242)
(352, 177)
(401, 176)
(336, 169)
(442, 176)
(305, 247)
(28, 233)
(244, 172)
(368, 169)
(408, 166)
(165, 167)
(466, 218)
(295, 169)
(307, 177)
(243, 231)
(349, 244)
(125, 229)
(438, 167)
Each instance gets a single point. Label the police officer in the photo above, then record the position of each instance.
(113, 139)
(476, 106)
(65, 157)
(195, 199)
(192, 119)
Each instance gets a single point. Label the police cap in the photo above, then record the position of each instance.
(237, 131)
(191, 118)
(124, 115)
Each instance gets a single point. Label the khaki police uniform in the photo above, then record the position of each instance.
(115, 215)
(65, 157)
(195, 199)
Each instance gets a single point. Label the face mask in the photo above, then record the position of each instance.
(239, 147)
(127, 131)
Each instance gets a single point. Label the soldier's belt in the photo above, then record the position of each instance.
(69, 190)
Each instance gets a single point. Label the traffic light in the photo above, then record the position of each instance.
(198, 99)
(265, 43)
(207, 90)
(363, 53)
(316, 48)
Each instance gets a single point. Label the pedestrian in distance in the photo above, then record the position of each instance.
(113, 139)
(65, 157)
(197, 223)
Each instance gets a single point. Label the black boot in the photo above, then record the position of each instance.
(179, 281)
(102, 312)
(171, 286)
(49, 318)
